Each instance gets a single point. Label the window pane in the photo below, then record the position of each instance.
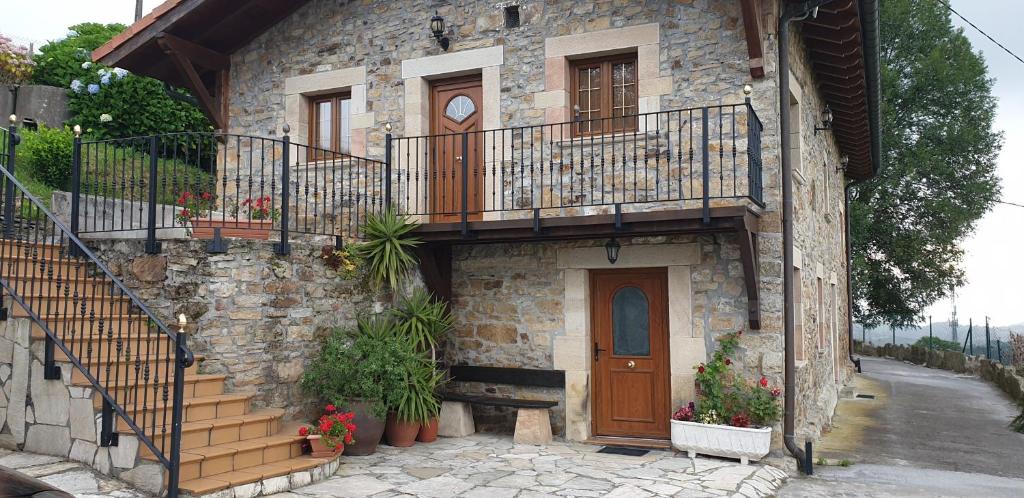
(631, 323)
(344, 115)
(323, 121)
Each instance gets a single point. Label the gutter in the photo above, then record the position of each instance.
(869, 34)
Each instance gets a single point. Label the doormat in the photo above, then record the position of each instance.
(619, 450)
(866, 396)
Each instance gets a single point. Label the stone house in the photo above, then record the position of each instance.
(600, 185)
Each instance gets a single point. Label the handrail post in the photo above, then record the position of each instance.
(465, 183)
(12, 144)
(180, 363)
(76, 181)
(284, 247)
(387, 170)
(51, 371)
(152, 246)
(705, 166)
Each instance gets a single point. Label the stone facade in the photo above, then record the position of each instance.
(256, 316)
(509, 299)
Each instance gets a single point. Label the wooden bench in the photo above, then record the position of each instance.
(533, 422)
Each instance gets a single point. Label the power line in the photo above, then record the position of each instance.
(944, 2)
(1010, 203)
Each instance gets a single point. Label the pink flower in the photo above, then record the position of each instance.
(776, 392)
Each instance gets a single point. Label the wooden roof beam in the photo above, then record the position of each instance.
(177, 52)
(751, 10)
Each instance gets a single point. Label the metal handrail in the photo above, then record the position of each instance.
(45, 227)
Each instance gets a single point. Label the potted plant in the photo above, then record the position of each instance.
(330, 434)
(256, 222)
(422, 321)
(362, 370)
(416, 403)
(732, 417)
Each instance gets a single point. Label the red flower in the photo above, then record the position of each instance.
(348, 438)
(728, 361)
(700, 369)
(338, 446)
(740, 420)
(776, 392)
(206, 195)
(185, 213)
(303, 431)
(331, 408)
(764, 381)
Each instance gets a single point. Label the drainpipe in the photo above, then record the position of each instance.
(849, 270)
(790, 12)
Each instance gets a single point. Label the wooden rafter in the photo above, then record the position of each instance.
(752, 30)
(186, 56)
(436, 268)
(747, 238)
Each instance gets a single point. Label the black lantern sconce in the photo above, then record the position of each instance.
(612, 248)
(844, 162)
(826, 120)
(437, 28)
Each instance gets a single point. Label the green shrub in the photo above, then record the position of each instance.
(938, 344)
(111, 102)
(46, 155)
(1018, 423)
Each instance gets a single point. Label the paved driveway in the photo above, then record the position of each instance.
(928, 432)
(491, 466)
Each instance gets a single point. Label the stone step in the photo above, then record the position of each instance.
(220, 482)
(122, 371)
(196, 386)
(92, 348)
(48, 305)
(208, 461)
(221, 431)
(194, 410)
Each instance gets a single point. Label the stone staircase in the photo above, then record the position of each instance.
(225, 442)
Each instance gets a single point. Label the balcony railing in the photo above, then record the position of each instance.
(656, 160)
(676, 159)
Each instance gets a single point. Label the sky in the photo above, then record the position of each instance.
(995, 271)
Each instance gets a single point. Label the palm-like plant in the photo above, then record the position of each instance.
(422, 320)
(418, 402)
(388, 247)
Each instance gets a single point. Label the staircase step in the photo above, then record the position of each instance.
(195, 386)
(90, 327)
(219, 482)
(155, 345)
(49, 305)
(12, 247)
(20, 266)
(195, 410)
(51, 284)
(124, 371)
(208, 461)
(221, 431)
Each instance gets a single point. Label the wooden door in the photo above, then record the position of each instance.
(456, 117)
(630, 361)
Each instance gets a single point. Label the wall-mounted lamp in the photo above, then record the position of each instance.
(826, 120)
(844, 161)
(437, 28)
(612, 248)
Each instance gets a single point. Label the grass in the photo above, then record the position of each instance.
(124, 174)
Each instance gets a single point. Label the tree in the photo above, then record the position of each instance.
(111, 102)
(938, 176)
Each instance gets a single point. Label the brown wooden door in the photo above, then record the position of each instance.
(630, 359)
(456, 117)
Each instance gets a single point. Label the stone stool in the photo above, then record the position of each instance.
(456, 419)
(533, 426)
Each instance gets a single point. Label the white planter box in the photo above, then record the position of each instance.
(721, 440)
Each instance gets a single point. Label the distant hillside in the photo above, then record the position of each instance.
(941, 330)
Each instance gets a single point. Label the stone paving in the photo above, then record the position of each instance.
(72, 477)
(491, 466)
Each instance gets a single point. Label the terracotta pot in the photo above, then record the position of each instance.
(321, 450)
(203, 228)
(428, 431)
(369, 429)
(400, 433)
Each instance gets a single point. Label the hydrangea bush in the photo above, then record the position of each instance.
(16, 65)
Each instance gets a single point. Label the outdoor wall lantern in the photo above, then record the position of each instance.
(612, 247)
(437, 28)
(826, 120)
(844, 161)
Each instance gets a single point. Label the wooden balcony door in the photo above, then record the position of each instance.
(630, 361)
(456, 108)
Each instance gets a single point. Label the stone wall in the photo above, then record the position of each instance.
(46, 105)
(257, 316)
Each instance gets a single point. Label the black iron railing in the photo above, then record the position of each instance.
(91, 320)
(221, 182)
(658, 159)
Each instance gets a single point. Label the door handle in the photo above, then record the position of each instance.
(458, 158)
(597, 351)
(630, 364)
